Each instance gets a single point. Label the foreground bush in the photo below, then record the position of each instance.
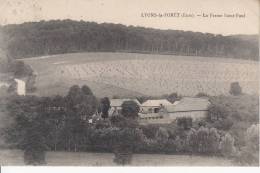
(227, 146)
(203, 141)
(184, 122)
(249, 154)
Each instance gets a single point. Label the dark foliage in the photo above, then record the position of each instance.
(234, 114)
(61, 123)
(173, 97)
(56, 37)
(130, 109)
(249, 154)
(235, 89)
(184, 122)
(150, 130)
(105, 106)
(30, 129)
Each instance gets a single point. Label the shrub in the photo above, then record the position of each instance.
(213, 141)
(219, 114)
(34, 147)
(204, 140)
(162, 138)
(184, 122)
(173, 97)
(100, 124)
(235, 89)
(170, 146)
(130, 109)
(202, 137)
(252, 137)
(150, 130)
(180, 144)
(192, 141)
(162, 135)
(125, 143)
(227, 147)
(127, 138)
(250, 152)
(122, 122)
(102, 139)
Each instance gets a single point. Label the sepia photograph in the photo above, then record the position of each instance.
(133, 83)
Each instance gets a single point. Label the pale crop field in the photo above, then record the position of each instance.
(116, 73)
(15, 157)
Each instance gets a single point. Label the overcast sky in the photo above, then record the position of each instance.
(129, 12)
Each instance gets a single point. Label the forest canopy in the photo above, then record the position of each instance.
(66, 36)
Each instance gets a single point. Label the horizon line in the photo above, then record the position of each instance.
(127, 25)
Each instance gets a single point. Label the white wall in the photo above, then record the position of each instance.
(193, 114)
(21, 90)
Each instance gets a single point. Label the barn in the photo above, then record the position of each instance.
(196, 108)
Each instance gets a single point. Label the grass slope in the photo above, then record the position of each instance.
(131, 74)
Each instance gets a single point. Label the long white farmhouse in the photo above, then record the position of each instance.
(195, 108)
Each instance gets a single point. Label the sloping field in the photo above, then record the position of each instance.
(15, 157)
(129, 73)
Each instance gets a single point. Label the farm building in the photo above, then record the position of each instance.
(116, 107)
(153, 106)
(16, 85)
(196, 108)
(20, 87)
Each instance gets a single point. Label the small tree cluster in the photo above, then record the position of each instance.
(249, 154)
(203, 140)
(184, 122)
(50, 122)
(227, 146)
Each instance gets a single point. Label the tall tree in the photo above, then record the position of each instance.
(30, 129)
(105, 106)
(81, 105)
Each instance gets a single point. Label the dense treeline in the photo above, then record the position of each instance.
(63, 123)
(64, 36)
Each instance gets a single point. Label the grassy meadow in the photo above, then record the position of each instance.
(132, 74)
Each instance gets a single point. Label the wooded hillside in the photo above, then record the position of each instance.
(64, 36)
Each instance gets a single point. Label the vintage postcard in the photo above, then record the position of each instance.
(129, 83)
